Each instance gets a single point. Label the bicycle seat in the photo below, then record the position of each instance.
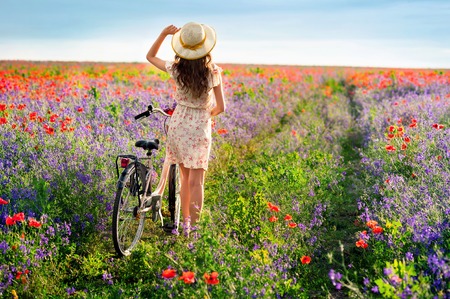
(148, 145)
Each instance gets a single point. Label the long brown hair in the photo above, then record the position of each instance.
(192, 75)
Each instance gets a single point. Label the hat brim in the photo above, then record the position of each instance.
(202, 51)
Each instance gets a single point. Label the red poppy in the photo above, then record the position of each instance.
(288, 217)
(371, 223)
(18, 274)
(34, 223)
(404, 146)
(80, 109)
(49, 130)
(10, 220)
(33, 116)
(3, 202)
(188, 277)
(3, 120)
(407, 139)
(53, 118)
(305, 259)
(292, 224)
(273, 219)
(275, 208)
(391, 128)
(222, 131)
(169, 273)
(377, 230)
(390, 136)
(361, 243)
(390, 148)
(211, 278)
(2, 107)
(294, 133)
(19, 217)
(413, 125)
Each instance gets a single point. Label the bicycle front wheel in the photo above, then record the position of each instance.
(174, 195)
(128, 221)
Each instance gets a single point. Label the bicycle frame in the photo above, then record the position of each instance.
(134, 192)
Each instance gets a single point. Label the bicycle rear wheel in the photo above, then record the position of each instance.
(174, 198)
(128, 221)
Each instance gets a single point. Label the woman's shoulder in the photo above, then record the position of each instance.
(169, 65)
(215, 69)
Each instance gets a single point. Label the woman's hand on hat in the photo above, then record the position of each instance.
(170, 30)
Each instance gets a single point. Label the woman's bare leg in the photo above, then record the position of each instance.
(185, 195)
(196, 179)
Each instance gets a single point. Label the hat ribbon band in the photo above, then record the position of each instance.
(193, 47)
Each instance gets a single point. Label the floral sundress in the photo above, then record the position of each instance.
(189, 134)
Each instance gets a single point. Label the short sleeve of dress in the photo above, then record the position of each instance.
(169, 68)
(216, 75)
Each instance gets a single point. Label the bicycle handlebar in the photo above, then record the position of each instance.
(149, 111)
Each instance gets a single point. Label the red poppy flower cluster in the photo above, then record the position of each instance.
(19, 217)
(188, 277)
(399, 132)
(222, 131)
(361, 243)
(395, 131)
(413, 123)
(35, 117)
(376, 229)
(273, 218)
(438, 126)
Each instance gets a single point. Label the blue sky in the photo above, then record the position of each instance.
(376, 33)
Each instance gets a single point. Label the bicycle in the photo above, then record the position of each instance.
(134, 188)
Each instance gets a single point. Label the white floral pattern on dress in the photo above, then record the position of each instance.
(189, 134)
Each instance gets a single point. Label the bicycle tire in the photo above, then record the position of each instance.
(174, 198)
(128, 222)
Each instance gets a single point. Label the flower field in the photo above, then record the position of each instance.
(323, 183)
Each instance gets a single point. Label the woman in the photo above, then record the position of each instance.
(199, 96)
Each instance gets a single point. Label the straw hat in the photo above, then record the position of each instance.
(194, 41)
